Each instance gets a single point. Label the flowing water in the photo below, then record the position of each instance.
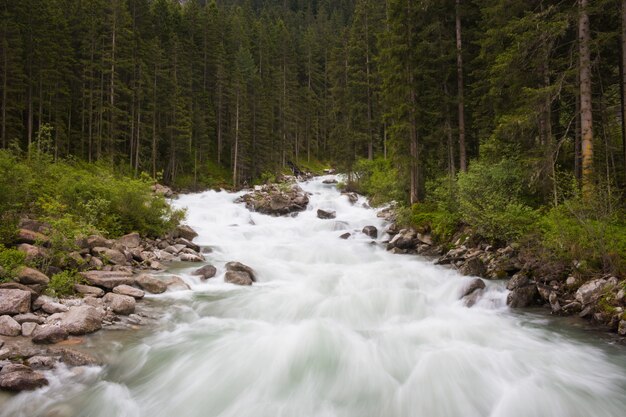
(333, 328)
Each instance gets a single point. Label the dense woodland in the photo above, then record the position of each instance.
(505, 115)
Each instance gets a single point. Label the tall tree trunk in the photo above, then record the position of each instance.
(370, 144)
(236, 151)
(461, 92)
(623, 89)
(5, 74)
(585, 98)
(154, 122)
(112, 90)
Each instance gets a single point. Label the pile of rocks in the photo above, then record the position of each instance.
(276, 199)
(97, 252)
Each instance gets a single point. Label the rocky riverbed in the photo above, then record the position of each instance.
(562, 289)
(38, 331)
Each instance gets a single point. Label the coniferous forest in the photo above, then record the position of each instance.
(490, 113)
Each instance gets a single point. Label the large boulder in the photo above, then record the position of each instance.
(33, 252)
(371, 231)
(31, 238)
(474, 267)
(591, 291)
(82, 320)
(405, 239)
(48, 334)
(175, 283)
(120, 304)
(16, 377)
(14, 301)
(239, 267)
(151, 284)
(72, 357)
(524, 296)
(97, 241)
(130, 241)
(206, 272)
(111, 255)
(29, 318)
(129, 291)
(9, 327)
(108, 279)
(30, 276)
(89, 290)
(185, 232)
(326, 214)
(238, 278)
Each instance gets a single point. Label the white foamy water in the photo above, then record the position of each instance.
(335, 328)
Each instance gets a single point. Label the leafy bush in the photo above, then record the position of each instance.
(491, 200)
(428, 217)
(81, 197)
(63, 283)
(586, 232)
(378, 179)
(10, 261)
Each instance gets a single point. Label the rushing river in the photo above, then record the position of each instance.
(333, 328)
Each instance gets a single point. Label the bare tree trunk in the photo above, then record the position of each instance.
(370, 145)
(461, 92)
(585, 98)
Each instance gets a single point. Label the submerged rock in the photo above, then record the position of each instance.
(238, 278)
(239, 267)
(326, 214)
(371, 231)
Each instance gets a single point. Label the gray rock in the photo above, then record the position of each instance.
(474, 267)
(326, 214)
(82, 319)
(475, 284)
(516, 281)
(238, 278)
(17, 378)
(108, 279)
(189, 257)
(370, 231)
(175, 283)
(129, 291)
(522, 296)
(89, 290)
(352, 197)
(345, 236)
(405, 239)
(187, 243)
(32, 238)
(621, 329)
(73, 357)
(30, 276)
(41, 362)
(52, 307)
(206, 272)
(9, 327)
(112, 255)
(239, 267)
(120, 304)
(185, 232)
(96, 241)
(131, 240)
(591, 291)
(49, 333)
(151, 284)
(28, 318)
(28, 328)
(14, 301)
(33, 252)
(96, 262)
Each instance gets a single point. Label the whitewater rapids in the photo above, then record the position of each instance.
(333, 328)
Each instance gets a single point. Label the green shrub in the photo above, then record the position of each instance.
(584, 232)
(10, 261)
(378, 179)
(63, 283)
(442, 224)
(492, 200)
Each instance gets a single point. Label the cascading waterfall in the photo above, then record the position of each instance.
(333, 328)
